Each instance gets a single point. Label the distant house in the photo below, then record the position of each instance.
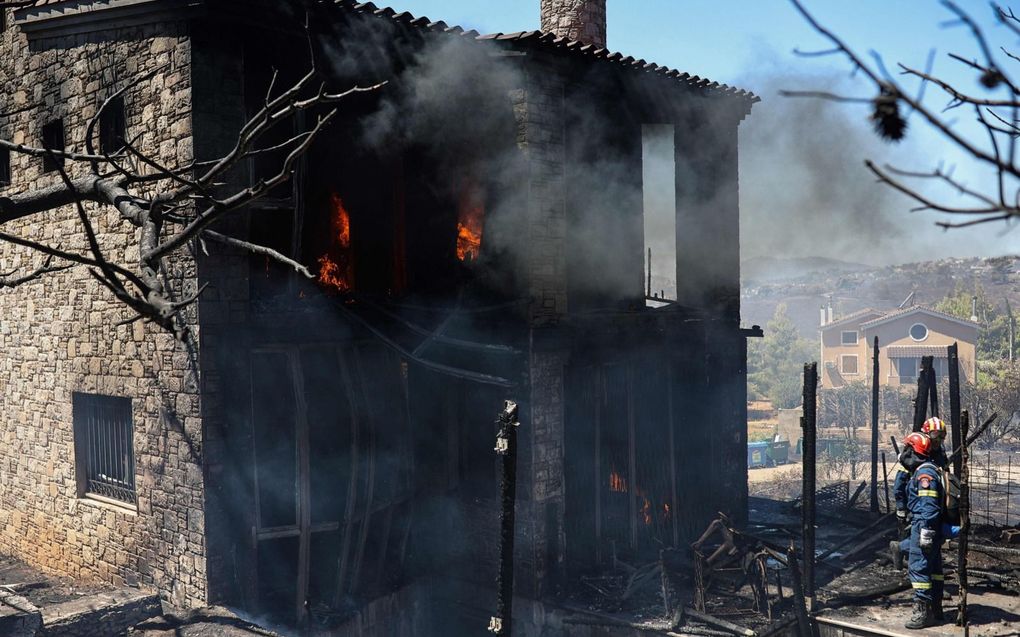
(904, 336)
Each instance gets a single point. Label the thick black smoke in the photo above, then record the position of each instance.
(804, 188)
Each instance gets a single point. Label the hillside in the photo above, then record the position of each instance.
(804, 285)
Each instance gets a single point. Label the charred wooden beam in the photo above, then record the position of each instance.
(808, 507)
(506, 447)
(730, 627)
(921, 399)
(933, 388)
(874, 428)
(961, 615)
(799, 604)
(885, 479)
(954, 402)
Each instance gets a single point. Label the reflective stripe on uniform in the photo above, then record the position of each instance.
(923, 586)
(938, 578)
(901, 469)
(931, 493)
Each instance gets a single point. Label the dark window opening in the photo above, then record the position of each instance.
(3, 20)
(112, 127)
(271, 228)
(104, 446)
(53, 139)
(5, 167)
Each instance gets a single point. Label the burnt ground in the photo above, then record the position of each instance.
(38, 588)
(207, 622)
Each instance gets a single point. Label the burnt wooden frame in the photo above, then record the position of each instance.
(356, 524)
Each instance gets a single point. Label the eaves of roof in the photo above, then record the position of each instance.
(918, 309)
(536, 39)
(850, 318)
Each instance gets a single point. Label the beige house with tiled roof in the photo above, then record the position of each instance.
(904, 336)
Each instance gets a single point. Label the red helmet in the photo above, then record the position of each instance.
(920, 443)
(935, 428)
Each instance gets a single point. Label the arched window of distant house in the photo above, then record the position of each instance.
(919, 331)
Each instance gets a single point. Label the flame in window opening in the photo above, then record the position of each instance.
(646, 510)
(336, 266)
(470, 214)
(617, 484)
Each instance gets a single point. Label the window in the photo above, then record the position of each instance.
(918, 331)
(53, 139)
(5, 167)
(849, 338)
(104, 447)
(848, 364)
(658, 183)
(907, 369)
(112, 127)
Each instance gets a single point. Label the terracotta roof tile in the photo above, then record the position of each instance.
(538, 38)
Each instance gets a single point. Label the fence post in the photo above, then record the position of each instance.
(874, 428)
(954, 403)
(808, 422)
(961, 616)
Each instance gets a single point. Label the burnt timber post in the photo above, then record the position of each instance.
(963, 458)
(808, 422)
(954, 403)
(921, 400)
(506, 448)
(933, 388)
(874, 428)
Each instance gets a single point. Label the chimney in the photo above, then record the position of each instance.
(822, 322)
(973, 309)
(828, 312)
(583, 20)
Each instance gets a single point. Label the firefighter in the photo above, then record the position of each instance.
(935, 429)
(926, 503)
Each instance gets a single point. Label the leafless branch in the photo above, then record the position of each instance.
(8, 280)
(997, 115)
(168, 207)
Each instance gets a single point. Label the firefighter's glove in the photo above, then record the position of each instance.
(927, 539)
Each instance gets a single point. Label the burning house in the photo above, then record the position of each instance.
(324, 449)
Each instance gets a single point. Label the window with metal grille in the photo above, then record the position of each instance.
(53, 139)
(104, 447)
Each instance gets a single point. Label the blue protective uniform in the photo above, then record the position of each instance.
(925, 501)
(903, 473)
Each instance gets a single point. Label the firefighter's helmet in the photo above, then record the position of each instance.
(934, 428)
(920, 443)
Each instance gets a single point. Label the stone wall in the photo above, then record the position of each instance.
(583, 20)
(59, 334)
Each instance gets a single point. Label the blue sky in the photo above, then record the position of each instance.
(750, 42)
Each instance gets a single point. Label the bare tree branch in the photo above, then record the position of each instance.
(997, 115)
(167, 206)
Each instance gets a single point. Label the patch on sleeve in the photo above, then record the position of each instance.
(925, 482)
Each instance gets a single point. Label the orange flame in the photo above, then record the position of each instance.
(616, 482)
(336, 267)
(646, 511)
(470, 213)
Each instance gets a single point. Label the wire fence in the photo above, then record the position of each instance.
(994, 487)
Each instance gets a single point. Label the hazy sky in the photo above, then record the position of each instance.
(749, 43)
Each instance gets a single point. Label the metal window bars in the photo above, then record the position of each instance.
(104, 439)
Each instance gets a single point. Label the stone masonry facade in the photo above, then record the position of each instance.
(583, 20)
(60, 333)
